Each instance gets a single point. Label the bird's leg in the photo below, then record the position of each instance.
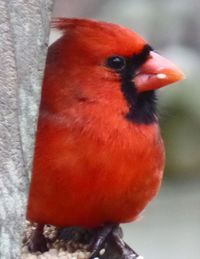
(100, 238)
(125, 250)
(38, 242)
(110, 238)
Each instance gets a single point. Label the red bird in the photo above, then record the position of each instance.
(99, 155)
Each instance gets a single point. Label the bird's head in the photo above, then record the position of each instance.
(103, 63)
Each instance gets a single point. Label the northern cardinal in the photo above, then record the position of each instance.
(99, 155)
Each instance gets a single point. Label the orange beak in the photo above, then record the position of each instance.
(157, 72)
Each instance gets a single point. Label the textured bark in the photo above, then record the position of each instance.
(24, 26)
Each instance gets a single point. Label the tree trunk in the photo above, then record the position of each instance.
(24, 27)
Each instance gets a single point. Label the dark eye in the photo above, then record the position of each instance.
(116, 62)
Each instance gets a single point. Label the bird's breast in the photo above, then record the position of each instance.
(90, 176)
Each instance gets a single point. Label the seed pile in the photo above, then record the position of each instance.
(57, 248)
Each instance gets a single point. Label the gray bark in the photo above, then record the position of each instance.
(24, 26)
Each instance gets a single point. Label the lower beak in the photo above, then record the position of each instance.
(156, 72)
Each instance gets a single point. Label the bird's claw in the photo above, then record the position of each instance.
(109, 245)
(36, 245)
(38, 242)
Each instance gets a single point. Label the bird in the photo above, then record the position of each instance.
(99, 155)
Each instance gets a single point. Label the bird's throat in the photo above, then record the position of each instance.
(142, 106)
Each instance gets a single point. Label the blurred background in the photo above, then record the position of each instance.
(170, 226)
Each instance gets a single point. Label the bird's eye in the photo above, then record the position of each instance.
(116, 62)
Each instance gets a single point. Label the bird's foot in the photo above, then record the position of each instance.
(38, 242)
(108, 244)
(99, 240)
(104, 243)
(125, 250)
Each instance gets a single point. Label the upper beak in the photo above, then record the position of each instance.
(156, 72)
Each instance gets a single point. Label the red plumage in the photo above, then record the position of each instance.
(92, 164)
